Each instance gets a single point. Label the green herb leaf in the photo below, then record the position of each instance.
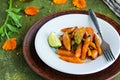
(2, 35)
(10, 34)
(16, 10)
(11, 23)
(1, 30)
(12, 28)
(15, 18)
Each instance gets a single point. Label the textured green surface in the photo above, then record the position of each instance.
(12, 63)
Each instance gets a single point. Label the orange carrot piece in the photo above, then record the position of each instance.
(97, 42)
(71, 59)
(78, 50)
(89, 52)
(66, 41)
(64, 52)
(92, 44)
(94, 54)
(68, 30)
(90, 31)
(85, 48)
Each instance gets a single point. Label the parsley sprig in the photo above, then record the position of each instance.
(11, 23)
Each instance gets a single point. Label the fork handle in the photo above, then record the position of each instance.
(94, 19)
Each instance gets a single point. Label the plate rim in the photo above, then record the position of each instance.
(54, 15)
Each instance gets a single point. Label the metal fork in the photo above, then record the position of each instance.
(104, 45)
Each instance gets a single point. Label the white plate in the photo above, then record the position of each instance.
(48, 55)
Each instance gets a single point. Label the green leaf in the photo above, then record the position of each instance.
(79, 35)
(15, 18)
(1, 30)
(16, 10)
(12, 28)
(3, 34)
(10, 34)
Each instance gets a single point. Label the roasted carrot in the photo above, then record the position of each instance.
(92, 44)
(90, 31)
(64, 52)
(66, 41)
(78, 50)
(85, 48)
(71, 59)
(68, 30)
(97, 43)
(89, 52)
(94, 54)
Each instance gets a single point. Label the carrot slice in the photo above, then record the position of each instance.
(66, 41)
(78, 50)
(89, 52)
(69, 30)
(97, 42)
(71, 59)
(90, 31)
(85, 48)
(94, 54)
(92, 44)
(64, 52)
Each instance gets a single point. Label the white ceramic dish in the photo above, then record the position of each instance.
(48, 55)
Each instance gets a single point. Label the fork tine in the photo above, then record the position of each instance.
(111, 54)
(107, 55)
(104, 53)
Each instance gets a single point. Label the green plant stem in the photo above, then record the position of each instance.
(6, 20)
(6, 33)
(10, 4)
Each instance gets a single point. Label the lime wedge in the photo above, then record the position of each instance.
(53, 40)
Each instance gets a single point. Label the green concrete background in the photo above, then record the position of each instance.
(12, 63)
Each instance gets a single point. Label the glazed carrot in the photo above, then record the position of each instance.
(97, 42)
(85, 48)
(78, 50)
(90, 31)
(94, 54)
(68, 30)
(89, 52)
(66, 41)
(71, 59)
(92, 44)
(64, 52)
